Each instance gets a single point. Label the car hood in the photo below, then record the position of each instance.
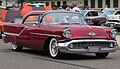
(86, 31)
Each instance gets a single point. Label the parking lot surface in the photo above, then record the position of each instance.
(32, 59)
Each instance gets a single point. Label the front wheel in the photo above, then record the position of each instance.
(102, 24)
(53, 48)
(111, 25)
(101, 55)
(16, 47)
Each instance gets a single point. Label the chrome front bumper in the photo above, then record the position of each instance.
(64, 47)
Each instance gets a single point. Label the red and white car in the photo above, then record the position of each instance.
(60, 32)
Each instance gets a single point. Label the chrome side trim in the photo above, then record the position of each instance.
(45, 34)
(13, 34)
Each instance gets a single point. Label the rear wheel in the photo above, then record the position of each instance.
(101, 55)
(53, 48)
(16, 47)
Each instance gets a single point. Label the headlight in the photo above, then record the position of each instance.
(67, 33)
(113, 33)
(89, 21)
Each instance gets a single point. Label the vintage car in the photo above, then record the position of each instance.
(113, 14)
(59, 32)
(114, 23)
(105, 10)
(93, 17)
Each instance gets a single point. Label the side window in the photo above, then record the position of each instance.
(117, 13)
(95, 13)
(32, 20)
(89, 13)
(92, 13)
(17, 19)
(47, 19)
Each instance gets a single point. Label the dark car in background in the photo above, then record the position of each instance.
(93, 17)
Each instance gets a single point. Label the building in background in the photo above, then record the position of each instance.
(94, 4)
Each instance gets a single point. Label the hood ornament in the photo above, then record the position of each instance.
(91, 34)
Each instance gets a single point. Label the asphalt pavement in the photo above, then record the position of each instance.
(33, 59)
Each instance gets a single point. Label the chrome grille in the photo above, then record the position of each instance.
(85, 45)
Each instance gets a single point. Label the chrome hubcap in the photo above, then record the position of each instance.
(14, 46)
(53, 48)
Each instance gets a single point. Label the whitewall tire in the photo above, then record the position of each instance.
(16, 47)
(53, 48)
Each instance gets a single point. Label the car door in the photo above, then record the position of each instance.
(27, 37)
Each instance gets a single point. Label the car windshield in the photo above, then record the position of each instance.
(63, 18)
(83, 12)
(109, 12)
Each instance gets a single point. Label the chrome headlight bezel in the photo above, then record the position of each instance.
(67, 33)
(113, 33)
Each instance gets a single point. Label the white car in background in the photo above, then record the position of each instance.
(36, 4)
(112, 14)
(114, 23)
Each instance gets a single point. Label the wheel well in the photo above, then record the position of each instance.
(103, 21)
(45, 48)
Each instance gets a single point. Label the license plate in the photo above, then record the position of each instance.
(93, 49)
